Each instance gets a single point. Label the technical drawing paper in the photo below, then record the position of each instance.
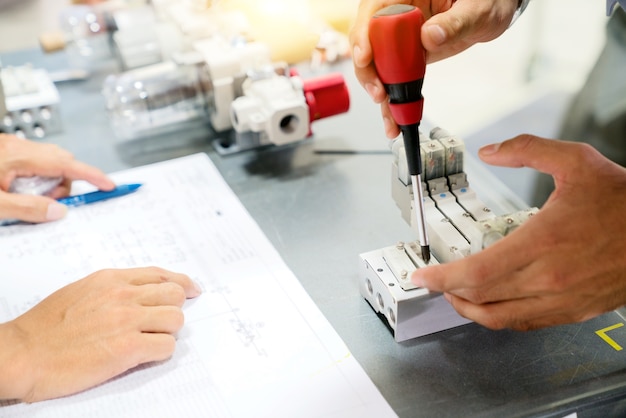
(253, 345)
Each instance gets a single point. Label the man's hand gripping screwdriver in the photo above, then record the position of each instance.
(400, 61)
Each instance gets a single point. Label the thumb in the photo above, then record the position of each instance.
(537, 153)
(30, 208)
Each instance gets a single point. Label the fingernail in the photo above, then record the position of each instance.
(388, 126)
(489, 149)
(56, 211)
(372, 90)
(356, 54)
(417, 279)
(197, 287)
(436, 33)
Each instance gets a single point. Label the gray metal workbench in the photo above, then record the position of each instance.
(326, 200)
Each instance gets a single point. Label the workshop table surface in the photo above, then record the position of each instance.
(327, 199)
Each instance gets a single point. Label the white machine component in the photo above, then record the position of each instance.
(228, 65)
(458, 224)
(194, 88)
(272, 107)
(223, 85)
(30, 102)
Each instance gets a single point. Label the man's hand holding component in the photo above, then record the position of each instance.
(566, 264)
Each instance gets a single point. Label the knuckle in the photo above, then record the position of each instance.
(168, 345)
(476, 274)
(177, 318)
(176, 293)
(495, 322)
(159, 272)
(556, 282)
(523, 142)
(122, 293)
(478, 296)
(129, 347)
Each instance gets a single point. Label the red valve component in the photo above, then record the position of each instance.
(326, 96)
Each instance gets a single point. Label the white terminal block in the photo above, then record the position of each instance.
(31, 102)
(458, 225)
(408, 313)
(274, 108)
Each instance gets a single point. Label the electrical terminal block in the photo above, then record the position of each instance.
(30, 102)
(458, 224)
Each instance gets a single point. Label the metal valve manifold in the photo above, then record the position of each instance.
(459, 224)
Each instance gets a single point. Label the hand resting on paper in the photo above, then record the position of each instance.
(92, 330)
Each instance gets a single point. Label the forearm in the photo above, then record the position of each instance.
(14, 363)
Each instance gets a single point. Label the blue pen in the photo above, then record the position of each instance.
(99, 195)
(87, 198)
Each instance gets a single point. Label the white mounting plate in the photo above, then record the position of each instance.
(408, 313)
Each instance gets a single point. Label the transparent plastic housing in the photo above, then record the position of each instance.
(157, 99)
(86, 31)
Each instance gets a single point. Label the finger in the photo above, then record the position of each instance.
(492, 315)
(31, 158)
(62, 190)
(161, 294)
(537, 153)
(30, 208)
(70, 170)
(163, 319)
(78, 170)
(146, 275)
(153, 347)
(520, 314)
(362, 51)
(392, 130)
(480, 270)
(466, 23)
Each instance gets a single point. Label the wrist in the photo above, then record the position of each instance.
(15, 376)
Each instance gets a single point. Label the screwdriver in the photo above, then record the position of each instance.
(400, 61)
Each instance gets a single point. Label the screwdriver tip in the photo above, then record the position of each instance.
(426, 253)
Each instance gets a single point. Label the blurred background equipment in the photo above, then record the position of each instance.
(29, 102)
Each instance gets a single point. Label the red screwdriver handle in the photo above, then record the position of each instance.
(400, 59)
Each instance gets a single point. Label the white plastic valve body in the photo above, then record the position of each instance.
(274, 108)
(226, 64)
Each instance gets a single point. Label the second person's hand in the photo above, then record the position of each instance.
(25, 158)
(92, 330)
